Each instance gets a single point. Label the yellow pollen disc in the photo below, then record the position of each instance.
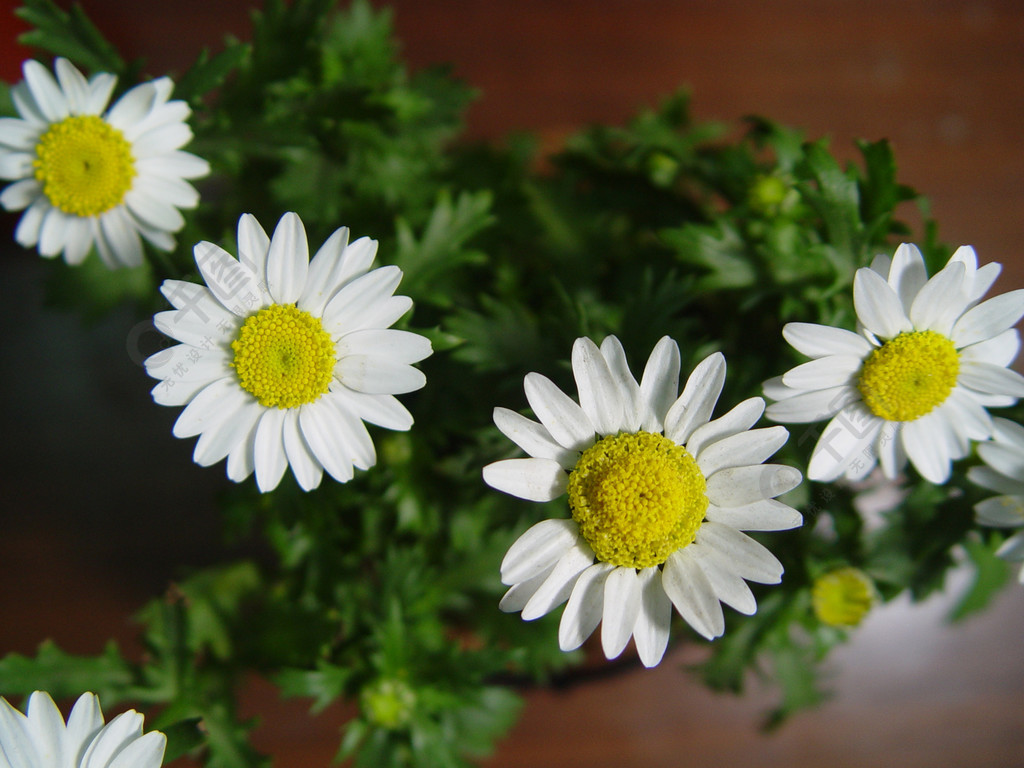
(842, 598)
(908, 376)
(283, 356)
(85, 165)
(637, 498)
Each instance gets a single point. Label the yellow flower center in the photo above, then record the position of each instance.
(908, 376)
(85, 165)
(283, 356)
(842, 598)
(637, 498)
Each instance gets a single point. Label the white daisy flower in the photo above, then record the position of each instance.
(1003, 473)
(41, 739)
(659, 495)
(283, 359)
(91, 175)
(915, 380)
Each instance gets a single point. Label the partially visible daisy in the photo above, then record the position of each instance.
(915, 380)
(91, 175)
(41, 739)
(282, 358)
(659, 495)
(1003, 473)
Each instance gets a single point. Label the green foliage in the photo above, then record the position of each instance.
(383, 592)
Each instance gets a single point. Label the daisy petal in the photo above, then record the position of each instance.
(253, 244)
(532, 437)
(746, 558)
(563, 418)
(877, 305)
(926, 450)
(744, 448)
(518, 595)
(988, 319)
(599, 394)
(538, 549)
(696, 403)
(372, 375)
(728, 587)
(737, 486)
(530, 479)
(558, 585)
(655, 619)
(761, 515)
(941, 301)
(660, 383)
(268, 450)
(229, 281)
(691, 593)
(907, 274)
(991, 379)
(740, 418)
(632, 400)
(583, 612)
(842, 441)
(823, 373)
(287, 260)
(1001, 511)
(812, 406)
(823, 341)
(621, 608)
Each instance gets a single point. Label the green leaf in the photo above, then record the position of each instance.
(990, 575)
(208, 73)
(833, 193)
(63, 675)
(324, 684)
(182, 737)
(70, 34)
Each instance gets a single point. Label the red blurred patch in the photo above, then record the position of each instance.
(11, 54)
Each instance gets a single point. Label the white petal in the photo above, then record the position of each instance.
(350, 431)
(728, 587)
(45, 91)
(557, 586)
(812, 406)
(530, 479)
(967, 414)
(20, 194)
(926, 449)
(1009, 432)
(253, 245)
(234, 286)
(185, 363)
(115, 736)
(633, 405)
(843, 442)
(145, 752)
(746, 557)
(598, 391)
(907, 274)
(736, 486)
(621, 608)
(19, 134)
(370, 374)
(696, 403)
(991, 379)
(348, 309)
(822, 340)
(761, 515)
(132, 108)
(823, 373)
(999, 350)
(287, 260)
(1001, 511)
(583, 612)
(561, 416)
(307, 470)
(691, 593)
(989, 478)
(655, 619)
(988, 319)
(878, 307)
(538, 549)
(242, 458)
(206, 409)
(268, 450)
(397, 346)
(739, 419)
(321, 284)
(324, 432)
(216, 443)
(84, 721)
(744, 448)
(518, 595)
(660, 383)
(15, 165)
(532, 437)
(156, 212)
(27, 232)
(46, 728)
(941, 301)
(383, 410)
(1005, 459)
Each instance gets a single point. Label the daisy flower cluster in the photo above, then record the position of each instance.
(659, 495)
(1002, 471)
(916, 378)
(87, 175)
(40, 738)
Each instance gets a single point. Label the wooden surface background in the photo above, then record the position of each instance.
(942, 80)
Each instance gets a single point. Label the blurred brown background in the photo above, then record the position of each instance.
(942, 80)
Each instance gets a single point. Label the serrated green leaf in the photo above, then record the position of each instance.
(324, 685)
(990, 575)
(70, 34)
(209, 73)
(64, 675)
